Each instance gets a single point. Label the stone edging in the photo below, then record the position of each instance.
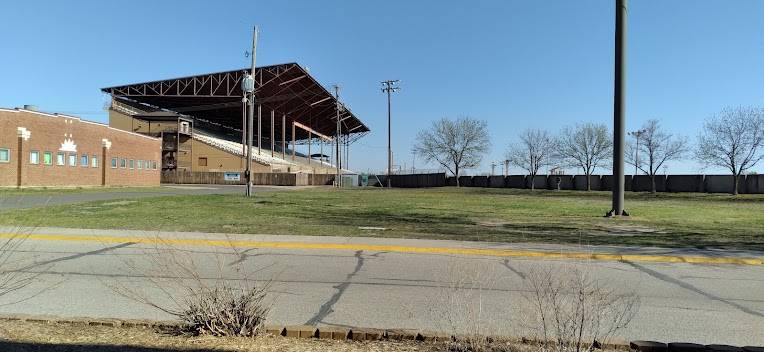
(368, 334)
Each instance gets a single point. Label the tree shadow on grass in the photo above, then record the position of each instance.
(13, 346)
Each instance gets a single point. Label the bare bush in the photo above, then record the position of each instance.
(462, 309)
(226, 310)
(572, 311)
(213, 293)
(17, 269)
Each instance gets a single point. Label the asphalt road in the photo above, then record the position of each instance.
(385, 289)
(28, 201)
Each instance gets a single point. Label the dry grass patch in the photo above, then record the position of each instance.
(34, 336)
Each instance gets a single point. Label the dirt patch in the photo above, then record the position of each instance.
(119, 202)
(40, 336)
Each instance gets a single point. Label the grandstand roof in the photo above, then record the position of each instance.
(217, 97)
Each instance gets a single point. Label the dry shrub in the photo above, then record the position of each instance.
(572, 311)
(20, 268)
(461, 308)
(211, 290)
(226, 310)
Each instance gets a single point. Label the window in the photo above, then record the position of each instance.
(5, 155)
(72, 159)
(154, 165)
(132, 164)
(94, 161)
(84, 160)
(47, 158)
(34, 157)
(140, 164)
(113, 163)
(60, 159)
(203, 161)
(123, 163)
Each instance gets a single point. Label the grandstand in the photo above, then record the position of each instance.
(200, 120)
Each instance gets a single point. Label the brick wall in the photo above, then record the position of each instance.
(49, 131)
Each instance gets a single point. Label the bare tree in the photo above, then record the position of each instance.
(733, 139)
(586, 146)
(536, 149)
(454, 144)
(652, 148)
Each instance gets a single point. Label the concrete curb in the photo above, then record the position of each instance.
(368, 334)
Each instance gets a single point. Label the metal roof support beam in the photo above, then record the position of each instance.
(283, 137)
(310, 130)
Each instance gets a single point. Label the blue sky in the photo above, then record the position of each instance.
(516, 64)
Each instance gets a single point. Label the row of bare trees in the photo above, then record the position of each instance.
(732, 139)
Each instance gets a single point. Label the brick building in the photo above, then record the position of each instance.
(41, 149)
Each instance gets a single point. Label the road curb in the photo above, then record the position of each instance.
(367, 334)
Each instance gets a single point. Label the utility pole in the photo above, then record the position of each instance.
(389, 87)
(637, 135)
(248, 88)
(338, 176)
(619, 108)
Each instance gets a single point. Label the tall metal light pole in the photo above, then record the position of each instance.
(389, 87)
(637, 135)
(248, 88)
(338, 156)
(619, 108)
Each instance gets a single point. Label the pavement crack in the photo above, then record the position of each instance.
(243, 255)
(76, 256)
(517, 272)
(692, 288)
(328, 306)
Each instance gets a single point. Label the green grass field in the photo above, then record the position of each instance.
(480, 214)
(45, 191)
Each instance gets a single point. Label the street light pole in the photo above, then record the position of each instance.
(338, 156)
(619, 108)
(248, 88)
(637, 135)
(389, 87)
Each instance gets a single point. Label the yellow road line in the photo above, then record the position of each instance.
(393, 248)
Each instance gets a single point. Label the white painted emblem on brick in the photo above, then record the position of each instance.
(68, 146)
